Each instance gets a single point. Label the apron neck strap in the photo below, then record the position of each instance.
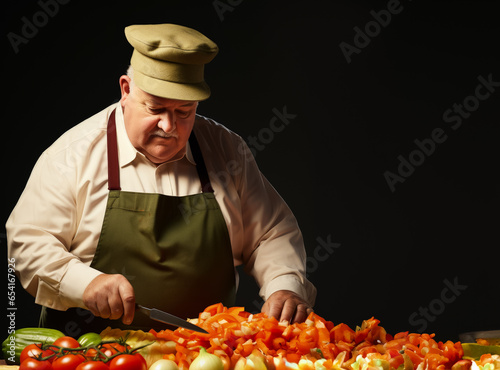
(114, 166)
(206, 186)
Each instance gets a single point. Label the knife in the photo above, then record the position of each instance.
(168, 318)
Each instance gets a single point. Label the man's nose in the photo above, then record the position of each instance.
(167, 122)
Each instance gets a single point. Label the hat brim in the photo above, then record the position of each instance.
(172, 90)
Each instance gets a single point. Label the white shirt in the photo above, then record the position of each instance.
(54, 229)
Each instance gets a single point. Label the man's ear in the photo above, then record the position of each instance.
(125, 88)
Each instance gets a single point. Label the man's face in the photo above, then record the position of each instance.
(157, 127)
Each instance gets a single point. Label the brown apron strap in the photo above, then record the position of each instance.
(113, 164)
(206, 186)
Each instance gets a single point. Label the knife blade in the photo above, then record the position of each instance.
(168, 318)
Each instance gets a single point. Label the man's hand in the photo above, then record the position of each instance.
(286, 305)
(110, 297)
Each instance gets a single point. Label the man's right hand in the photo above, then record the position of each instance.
(110, 297)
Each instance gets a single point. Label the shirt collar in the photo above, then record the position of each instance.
(127, 152)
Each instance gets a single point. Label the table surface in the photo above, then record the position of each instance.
(3, 366)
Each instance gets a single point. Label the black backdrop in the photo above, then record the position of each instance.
(384, 142)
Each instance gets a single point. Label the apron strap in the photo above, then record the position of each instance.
(206, 186)
(113, 165)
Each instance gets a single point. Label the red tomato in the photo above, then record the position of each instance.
(92, 365)
(128, 362)
(67, 362)
(91, 353)
(34, 364)
(67, 342)
(34, 350)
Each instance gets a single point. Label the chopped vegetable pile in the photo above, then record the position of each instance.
(240, 340)
(245, 341)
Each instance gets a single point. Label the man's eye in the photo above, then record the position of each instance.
(154, 110)
(183, 114)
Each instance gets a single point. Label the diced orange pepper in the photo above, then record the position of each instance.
(413, 348)
(305, 347)
(265, 336)
(329, 350)
(396, 361)
(366, 350)
(292, 344)
(272, 325)
(214, 309)
(247, 348)
(217, 322)
(413, 357)
(309, 335)
(293, 357)
(169, 356)
(396, 344)
(279, 343)
(183, 333)
(323, 336)
(262, 346)
(281, 352)
(344, 347)
(182, 351)
(167, 335)
(343, 333)
(235, 311)
(401, 335)
(288, 332)
(361, 335)
(328, 363)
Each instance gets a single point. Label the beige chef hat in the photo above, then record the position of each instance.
(168, 60)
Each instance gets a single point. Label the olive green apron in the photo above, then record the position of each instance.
(174, 250)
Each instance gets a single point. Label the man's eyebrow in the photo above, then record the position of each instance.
(156, 102)
(188, 104)
(150, 101)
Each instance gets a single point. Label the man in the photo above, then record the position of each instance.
(147, 202)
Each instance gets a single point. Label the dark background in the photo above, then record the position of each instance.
(394, 249)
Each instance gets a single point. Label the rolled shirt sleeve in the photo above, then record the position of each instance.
(49, 232)
(40, 235)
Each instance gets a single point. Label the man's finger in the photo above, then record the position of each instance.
(103, 309)
(288, 311)
(115, 307)
(92, 307)
(274, 311)
(128, 300)
(301, 313)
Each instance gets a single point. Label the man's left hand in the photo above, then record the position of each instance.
(286, 305)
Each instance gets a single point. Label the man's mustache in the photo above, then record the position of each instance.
(159, 132)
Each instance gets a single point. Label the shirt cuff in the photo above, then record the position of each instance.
(75, 281)
(291, 282)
